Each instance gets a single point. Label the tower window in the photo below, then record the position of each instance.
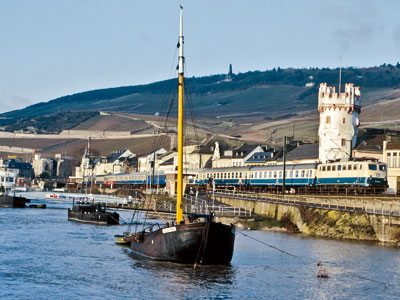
(343, 142)
(344, 120)
(328, 119)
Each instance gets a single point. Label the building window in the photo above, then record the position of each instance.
(328, 119)
(395, 161)
(344, 120)
(343, 142)
(389, 159)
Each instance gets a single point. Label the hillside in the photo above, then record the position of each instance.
(276, 91)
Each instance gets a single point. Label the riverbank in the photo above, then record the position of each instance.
(328, 223)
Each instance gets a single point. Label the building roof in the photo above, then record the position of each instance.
(305, 151)
(260, 157)
(241, 151)
(370, 140)
(208, 145)
(16, 164)
(392, 146)
(168, 162)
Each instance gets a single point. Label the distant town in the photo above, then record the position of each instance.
(339, 140)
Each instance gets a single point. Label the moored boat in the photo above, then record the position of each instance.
(37, 205)
(12, 201)
(94, 213)
(197, 240)
(204, 242)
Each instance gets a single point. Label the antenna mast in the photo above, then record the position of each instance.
(340, 74)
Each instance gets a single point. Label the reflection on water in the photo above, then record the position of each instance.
(223, 274)
(44, 256)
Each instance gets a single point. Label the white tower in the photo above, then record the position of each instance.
(338, 121)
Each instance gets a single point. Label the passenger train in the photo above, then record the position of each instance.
(365, 174)
(362, 174)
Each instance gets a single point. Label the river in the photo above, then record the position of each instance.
(45, 256)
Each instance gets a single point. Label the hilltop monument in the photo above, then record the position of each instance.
(338, 126)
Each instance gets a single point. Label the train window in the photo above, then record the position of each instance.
(307, 173)
(236, 174)
(333, 168)
(372, 167)
(339, 167)
(280, 174)
(349, 167)
(255, 174)
(240, 175)
(344, 167)
(360, 167)
(291, 174)
(265, 174)
(354, 167)
(323, 169)
(382, 168)
(286, 173)
(229, 175)
(328, 168)
(224, 175)
(270, 174)
(310, 173)
(297, 174)
(303, 173)
(275, 174)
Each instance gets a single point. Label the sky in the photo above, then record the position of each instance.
(53, 48)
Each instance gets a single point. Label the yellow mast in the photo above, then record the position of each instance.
(179, 213)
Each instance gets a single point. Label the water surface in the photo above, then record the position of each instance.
(45, 256)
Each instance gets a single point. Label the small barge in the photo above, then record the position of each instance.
(94, 213)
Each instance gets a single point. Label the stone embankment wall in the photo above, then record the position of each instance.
(326, 222)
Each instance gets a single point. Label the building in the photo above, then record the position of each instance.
(264, 158)
(338, 121)
(22, 169)
(303, 154)
(235, 157)
(391, 156)
(115, 163)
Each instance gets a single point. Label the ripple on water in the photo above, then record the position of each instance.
(44, 256)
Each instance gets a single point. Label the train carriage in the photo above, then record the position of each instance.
(231, 176)
(295, 175)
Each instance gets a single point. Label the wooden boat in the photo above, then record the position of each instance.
(94, 213)
(12, 201)
(198, 240)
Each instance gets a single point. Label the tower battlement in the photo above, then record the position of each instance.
(328, 96)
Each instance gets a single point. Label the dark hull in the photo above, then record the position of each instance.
(12, 201)
(98, 218)
(207, 243)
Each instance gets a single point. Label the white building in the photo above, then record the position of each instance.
(338, 121)
(42, 165)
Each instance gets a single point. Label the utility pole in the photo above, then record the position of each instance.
(284, 166)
